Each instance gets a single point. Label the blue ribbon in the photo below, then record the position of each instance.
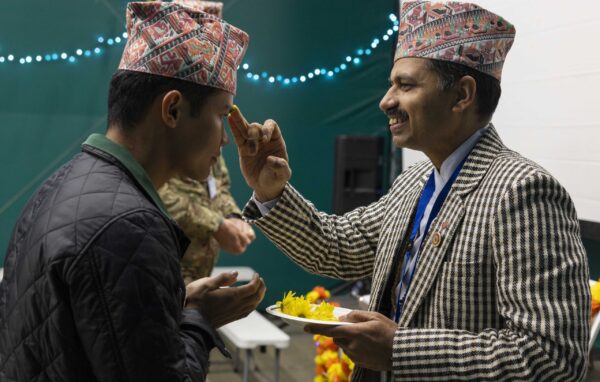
(423, 202)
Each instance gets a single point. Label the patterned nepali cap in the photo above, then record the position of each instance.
(211, 7)
(453, 31)
(178, 40)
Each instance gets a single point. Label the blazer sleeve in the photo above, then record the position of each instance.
(343, 247)
(127, 301)
(543, 296)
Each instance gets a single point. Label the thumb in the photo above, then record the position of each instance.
(223, 279)
(279, 167)
(358, 316)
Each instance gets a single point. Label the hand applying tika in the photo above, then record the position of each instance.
(263, 155)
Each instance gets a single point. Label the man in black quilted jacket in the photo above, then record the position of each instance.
(92, 288)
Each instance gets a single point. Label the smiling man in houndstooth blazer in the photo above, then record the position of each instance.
(478, 268)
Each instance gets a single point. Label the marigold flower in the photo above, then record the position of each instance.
(301, 307)
(595, 289)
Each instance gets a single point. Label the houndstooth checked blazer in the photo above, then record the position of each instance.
(501, 292)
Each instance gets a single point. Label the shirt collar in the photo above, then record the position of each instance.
(123, 155)
(449, 165)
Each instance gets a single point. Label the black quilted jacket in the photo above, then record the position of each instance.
(92, 289)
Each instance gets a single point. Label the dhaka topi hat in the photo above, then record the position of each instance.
(463, 33)
(178, 40)
(214, 8)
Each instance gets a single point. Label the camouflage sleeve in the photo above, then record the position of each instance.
(226, 204)
(197, 221)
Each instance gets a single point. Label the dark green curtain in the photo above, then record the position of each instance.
(47, 109)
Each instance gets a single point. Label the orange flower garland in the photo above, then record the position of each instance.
(595, 289)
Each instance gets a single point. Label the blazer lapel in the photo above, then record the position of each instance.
(385, 267)
(432, 253)
(445, 225)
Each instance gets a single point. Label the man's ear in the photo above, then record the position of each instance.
(171, 108)
(466, 89)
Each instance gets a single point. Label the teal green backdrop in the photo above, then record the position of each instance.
(47, 109)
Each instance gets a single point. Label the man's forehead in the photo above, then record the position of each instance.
(410, 68)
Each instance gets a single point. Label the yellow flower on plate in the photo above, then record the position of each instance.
(295, 306)
(301, 307)
(323, 312)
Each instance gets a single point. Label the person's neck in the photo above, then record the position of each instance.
(146, 149)
(446, 146)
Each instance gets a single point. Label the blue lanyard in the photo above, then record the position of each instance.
(423, 202)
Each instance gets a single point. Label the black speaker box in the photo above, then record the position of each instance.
(358, 171)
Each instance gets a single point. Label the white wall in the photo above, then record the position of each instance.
(550, 105)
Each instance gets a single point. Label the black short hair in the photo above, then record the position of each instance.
(488, 87)
(131, 94)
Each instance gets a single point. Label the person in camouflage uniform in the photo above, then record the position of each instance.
(210, 218)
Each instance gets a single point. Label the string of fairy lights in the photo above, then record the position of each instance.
(256, 75)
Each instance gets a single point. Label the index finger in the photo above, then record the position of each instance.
(238, 124)
(252, 287)
(329, 331)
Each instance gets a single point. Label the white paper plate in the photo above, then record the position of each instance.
(298, 321)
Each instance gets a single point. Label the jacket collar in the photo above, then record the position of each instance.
(101, 146)
(477, 163)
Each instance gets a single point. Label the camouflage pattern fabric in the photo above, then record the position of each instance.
(189, 203)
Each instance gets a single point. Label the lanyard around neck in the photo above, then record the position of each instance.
(426, 196)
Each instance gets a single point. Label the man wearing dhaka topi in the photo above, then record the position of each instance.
(92, 287)
(478, 268)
